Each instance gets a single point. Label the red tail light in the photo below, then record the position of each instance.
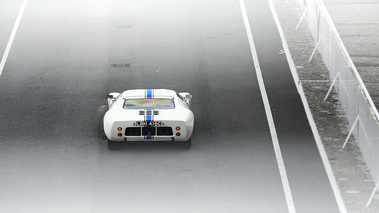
(178, 134)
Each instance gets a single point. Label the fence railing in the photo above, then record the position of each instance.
(356, 102)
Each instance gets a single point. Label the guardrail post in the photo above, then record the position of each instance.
(302, 17)
(372, 195)
(331, 86)
(351, 131)
(314, 51)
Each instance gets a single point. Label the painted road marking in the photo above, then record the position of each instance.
(270, 120)
(13, 35)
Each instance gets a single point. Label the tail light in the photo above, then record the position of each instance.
(119, 129)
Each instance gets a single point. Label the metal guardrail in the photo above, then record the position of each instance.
(355, 100)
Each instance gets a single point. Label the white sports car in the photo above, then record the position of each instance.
(149, 115)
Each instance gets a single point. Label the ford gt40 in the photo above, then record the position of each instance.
(149, 115)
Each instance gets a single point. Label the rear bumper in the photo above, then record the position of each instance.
(126, 131)
(149, 138)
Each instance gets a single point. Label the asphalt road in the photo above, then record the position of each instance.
(68, 55)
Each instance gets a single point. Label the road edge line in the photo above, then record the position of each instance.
(320, 146)
(13, 35)
(270, 119)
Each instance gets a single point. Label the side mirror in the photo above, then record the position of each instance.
(111, 97)
(187, 97)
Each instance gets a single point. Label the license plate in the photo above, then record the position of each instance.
(151, 123)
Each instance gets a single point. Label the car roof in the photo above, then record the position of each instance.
(149, 93)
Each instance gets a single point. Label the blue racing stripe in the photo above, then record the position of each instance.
(149, 93)
(149, 137)
(148, 119)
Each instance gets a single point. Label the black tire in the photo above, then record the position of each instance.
(184, 144)
(114, 145)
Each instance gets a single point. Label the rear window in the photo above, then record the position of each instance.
(149, 103)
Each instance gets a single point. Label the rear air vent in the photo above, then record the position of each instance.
(164, 131)
(149, 112)
(133, 131)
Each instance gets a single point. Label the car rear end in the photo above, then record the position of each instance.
(148, 115)
(142, 130)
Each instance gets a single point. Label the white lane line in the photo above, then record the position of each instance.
(320, 146)
(13, 35)
(274, 137)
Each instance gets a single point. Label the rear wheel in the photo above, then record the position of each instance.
(184, 144)
(114, 145)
